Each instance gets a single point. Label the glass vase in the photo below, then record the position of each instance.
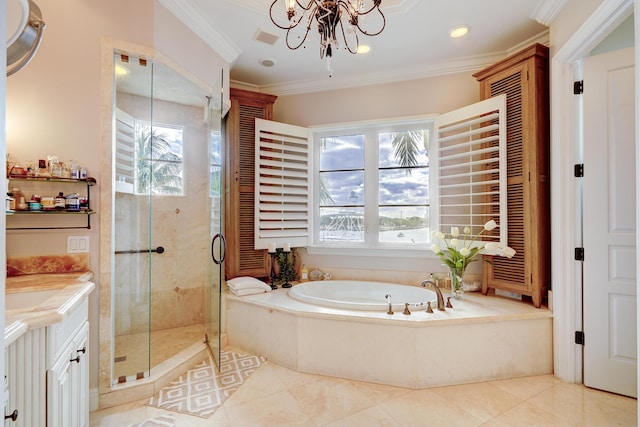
(457, 290)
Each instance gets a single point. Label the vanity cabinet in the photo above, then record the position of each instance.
(242, 259)
(524, 78)
(51, 218)
(48, 374)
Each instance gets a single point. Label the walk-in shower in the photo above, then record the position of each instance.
(165, 216)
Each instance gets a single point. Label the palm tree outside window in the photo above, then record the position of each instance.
(373, 185)
(159, 160)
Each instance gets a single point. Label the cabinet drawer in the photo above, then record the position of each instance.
(60, 334)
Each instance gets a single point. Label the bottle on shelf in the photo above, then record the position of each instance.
(20, 202)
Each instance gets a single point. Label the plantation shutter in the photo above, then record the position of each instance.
(470, 169)
(125, 126)
(282, 187)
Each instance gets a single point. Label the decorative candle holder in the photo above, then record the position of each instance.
(287, 270)
(272, 273)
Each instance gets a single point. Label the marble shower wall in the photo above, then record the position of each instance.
(175, 279)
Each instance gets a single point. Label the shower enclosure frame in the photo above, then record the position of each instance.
(106, 384)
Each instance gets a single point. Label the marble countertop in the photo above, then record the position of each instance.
(72, 289)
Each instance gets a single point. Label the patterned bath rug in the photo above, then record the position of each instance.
(203, 389)
(168, 420)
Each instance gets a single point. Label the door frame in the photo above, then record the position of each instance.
(566, 140)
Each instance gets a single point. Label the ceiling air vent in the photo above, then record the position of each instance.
(264, 37)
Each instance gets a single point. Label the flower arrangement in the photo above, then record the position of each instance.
(459, 251)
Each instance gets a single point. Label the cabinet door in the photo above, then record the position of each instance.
(67, 385)
(79, 379)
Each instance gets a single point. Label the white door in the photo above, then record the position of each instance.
(610, 223)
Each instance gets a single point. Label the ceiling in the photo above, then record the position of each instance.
(415, 43)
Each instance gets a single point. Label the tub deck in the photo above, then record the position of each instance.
(482, 338)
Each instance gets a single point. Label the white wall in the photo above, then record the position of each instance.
(426, 96)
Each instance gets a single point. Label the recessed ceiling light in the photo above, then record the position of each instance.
(363, 48)
(267, 62)
(459, 31)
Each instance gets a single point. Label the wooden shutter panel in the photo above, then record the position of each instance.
(470, 169)
(282, 187)
(512, 270)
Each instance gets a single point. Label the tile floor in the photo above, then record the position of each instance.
(277, 396)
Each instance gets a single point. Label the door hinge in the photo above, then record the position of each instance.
(578, 87)
(579, 254)
(580, 337)
(578, 170)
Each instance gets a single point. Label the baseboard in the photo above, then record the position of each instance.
(94, 398)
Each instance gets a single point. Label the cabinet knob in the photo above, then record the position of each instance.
(13, 416)
(82, 350)
(77, 360)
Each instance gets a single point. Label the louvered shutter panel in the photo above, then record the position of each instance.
(513, 269)
(125, 129)
(282, 188)
(470, 169)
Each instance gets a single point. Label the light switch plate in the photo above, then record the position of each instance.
(77, 244)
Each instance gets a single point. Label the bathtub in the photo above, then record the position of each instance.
(481, 338)
(360, 295)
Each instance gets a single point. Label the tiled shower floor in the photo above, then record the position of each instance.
(132, 353)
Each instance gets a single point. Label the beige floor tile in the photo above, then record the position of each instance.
(527, 387)
(279, 409)
(371, 417)
(578, 404)
(124, 415)
(219, 419)
(427, 408)
(379, 393)
(275, 396)
(528, 415)
(291, 378)
(482, 400)
(263, 382)
(330, 399)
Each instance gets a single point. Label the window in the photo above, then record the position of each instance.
(373, 185)
(159, 163)
(383, 185)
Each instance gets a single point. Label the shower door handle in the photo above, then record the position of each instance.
(158, 250)
(224, 248)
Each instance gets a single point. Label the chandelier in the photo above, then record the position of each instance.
(336, 20)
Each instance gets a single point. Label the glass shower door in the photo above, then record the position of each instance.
(213, 290)
(132, 257)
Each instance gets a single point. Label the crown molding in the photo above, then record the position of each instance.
(547, 10)
(193, 20)
(460, 65)
(464, 65)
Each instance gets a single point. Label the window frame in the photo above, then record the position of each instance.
(154, 125)
(371, 244)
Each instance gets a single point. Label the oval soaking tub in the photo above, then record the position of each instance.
(361, 295)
